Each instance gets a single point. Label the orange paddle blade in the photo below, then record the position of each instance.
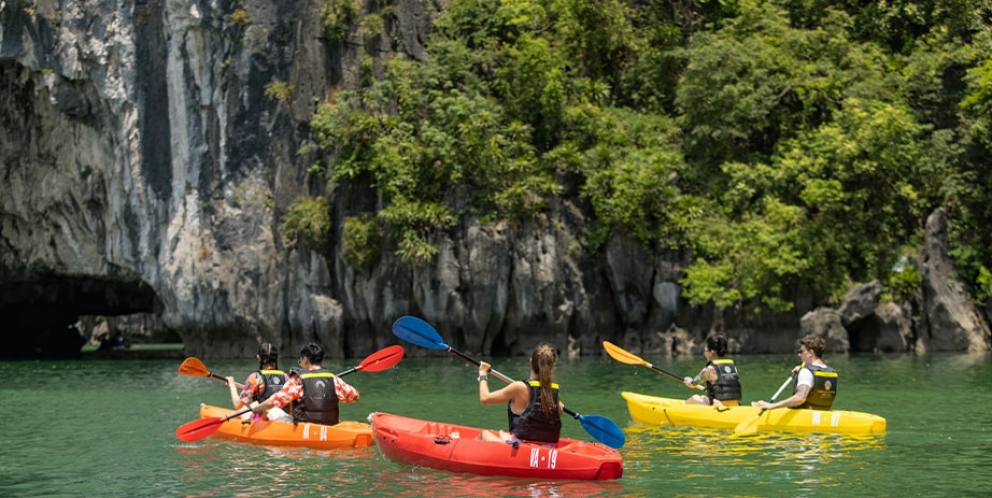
(193, 366)
(622, 355)
(199, 429)
(382, 360)
(196, 368)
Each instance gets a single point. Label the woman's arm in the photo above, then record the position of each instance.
(508, 393)
(238, 400)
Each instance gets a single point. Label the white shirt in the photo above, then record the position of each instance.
(805, 378)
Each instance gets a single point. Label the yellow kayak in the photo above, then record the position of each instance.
(652, 410)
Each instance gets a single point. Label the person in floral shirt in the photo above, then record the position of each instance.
(261, 385)
(313, 391)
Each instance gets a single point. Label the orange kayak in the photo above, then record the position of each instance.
(346, 434)
(455, 448)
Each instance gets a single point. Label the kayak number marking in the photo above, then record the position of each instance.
(306, 432)
(834, 419)
(551, 458)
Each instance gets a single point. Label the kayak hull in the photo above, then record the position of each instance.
(346, 434)
(455, 448)
(652, 410)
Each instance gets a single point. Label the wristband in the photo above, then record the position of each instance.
(483, 377)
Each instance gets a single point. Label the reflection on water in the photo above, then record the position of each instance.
(705, 443)
(229, 468)
(719, 458)
(440, 484)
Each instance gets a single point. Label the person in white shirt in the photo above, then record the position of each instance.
(816, 383)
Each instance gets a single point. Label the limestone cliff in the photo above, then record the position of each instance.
(146, 169)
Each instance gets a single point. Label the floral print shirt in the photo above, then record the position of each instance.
(293, 390)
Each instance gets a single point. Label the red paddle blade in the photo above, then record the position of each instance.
(193, 366)
(199, 429)
(381, 360)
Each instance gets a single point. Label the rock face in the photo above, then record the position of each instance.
(953, 321)
(948, 321)
(146, 172)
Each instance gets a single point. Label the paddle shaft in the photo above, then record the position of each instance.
(236, 414)
(775, 396)
(676, 377)
(382, 359)
(780, 389)
(624, 356)
(656, 369)
(750, 426)
(224, 380)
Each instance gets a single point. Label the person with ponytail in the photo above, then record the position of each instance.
(261, 385)
(723, 387)
(533, 407)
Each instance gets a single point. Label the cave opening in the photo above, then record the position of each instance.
(42, 314)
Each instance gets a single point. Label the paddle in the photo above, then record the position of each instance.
(421, 333)
(194, 367)
(624, 356)
(750, 425)
(376, 362)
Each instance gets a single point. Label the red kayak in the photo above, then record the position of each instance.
(455, 448)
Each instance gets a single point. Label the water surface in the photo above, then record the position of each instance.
(106, 428)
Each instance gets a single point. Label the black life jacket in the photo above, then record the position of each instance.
(319, 401)
(727, 385)
(821, 396)
(533, 424)
(272, 382)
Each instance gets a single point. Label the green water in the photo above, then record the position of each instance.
(106, 428)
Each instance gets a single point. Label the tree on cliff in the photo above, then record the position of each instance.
(788, 145)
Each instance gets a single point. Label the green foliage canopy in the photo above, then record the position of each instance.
(788, 144)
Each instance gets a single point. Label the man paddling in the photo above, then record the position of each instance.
(313, 391)
(816, 383)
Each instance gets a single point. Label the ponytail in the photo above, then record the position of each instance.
(543, 361)
(267, 355)
(718, 344)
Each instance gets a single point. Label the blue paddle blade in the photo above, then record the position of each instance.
(603, 430)
(414, 330)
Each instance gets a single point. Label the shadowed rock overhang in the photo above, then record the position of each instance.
(40, 311)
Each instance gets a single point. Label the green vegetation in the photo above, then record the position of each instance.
(239, 17)
(372, 25)
(278, 90)
(339, 17)
(786, 144)
(243, 193)
(362, 241)
(308, 222)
